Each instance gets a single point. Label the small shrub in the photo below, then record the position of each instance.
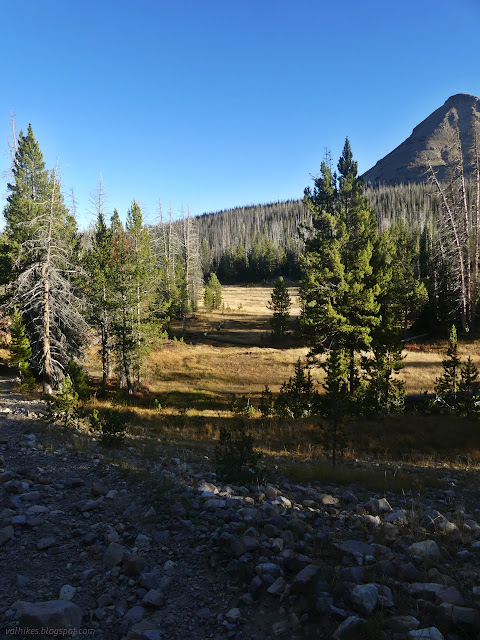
(63, 406)
(111, 425)
(242, 407)
(235, 458)
(298, 398)
(79, 379)
(267, 404)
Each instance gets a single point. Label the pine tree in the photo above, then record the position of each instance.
(98, 265)
(280, 304)
(143, 277)
(338, 290)
(298, 397)
(123, 301)
(28, 196)
(447, 385)
(469, 387)
(213, 293)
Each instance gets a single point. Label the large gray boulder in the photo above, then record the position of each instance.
(52, 614)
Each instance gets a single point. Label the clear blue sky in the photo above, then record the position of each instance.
(222, 103)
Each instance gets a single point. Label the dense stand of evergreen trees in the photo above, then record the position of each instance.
(124, 280)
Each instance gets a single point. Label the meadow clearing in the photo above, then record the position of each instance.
(192, 378)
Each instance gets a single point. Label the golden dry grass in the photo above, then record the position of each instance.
(224, 353)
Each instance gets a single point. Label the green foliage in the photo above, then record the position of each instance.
(63, 406)
(267, 404)
(111, 425)
(335, 404)
(447, 385)
(235, 457)
(20, 350)
(383, 393)
(213, 293)
(298, 397)
(242, 406)
(79, 379)
(280, 304)
(338, 290)
(469, 388)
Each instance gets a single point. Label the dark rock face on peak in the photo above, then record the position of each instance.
(433, 141)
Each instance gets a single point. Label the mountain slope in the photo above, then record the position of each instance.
(434, 141)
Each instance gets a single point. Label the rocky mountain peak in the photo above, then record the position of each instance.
(433, 141)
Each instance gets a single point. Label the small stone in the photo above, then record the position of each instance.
(22, 581)
(279, 628)
(278, 587)
(6, 534)
(277, 545)
(304, 578)
(66, 592)
(402, 624)
(134, 564)
(133, 615)
(463, 616)
(113, 555)
(396, 517)
(46, 543)
(450, 596)
(364, 598)
(425, 549)
(327, 499)
(30, 496)
(429, 633)
(153, 598)
(233, 615)
(346, 628)
(152, 634)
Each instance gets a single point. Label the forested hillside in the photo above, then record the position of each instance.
(255, 243)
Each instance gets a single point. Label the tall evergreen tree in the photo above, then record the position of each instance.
(143, 277)
(338, 290)
(447, 385)
(280, 304)
(28, 194)
(98, 264)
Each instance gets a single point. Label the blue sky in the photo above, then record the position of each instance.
(221, 103)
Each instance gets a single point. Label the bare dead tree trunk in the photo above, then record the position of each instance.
(47, 354)
(459, 255)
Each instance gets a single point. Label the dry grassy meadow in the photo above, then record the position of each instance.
(192, 378)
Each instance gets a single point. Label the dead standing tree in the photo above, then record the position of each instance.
(459, 224)
(44, 294)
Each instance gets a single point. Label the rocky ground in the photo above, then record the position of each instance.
(171, 553)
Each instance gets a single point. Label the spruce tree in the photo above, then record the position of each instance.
(98, 264)
(469, 387)
(338, 289)
(123, 301)
(447, 385)
(213, 293)
(143, 283)
(280, 304)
